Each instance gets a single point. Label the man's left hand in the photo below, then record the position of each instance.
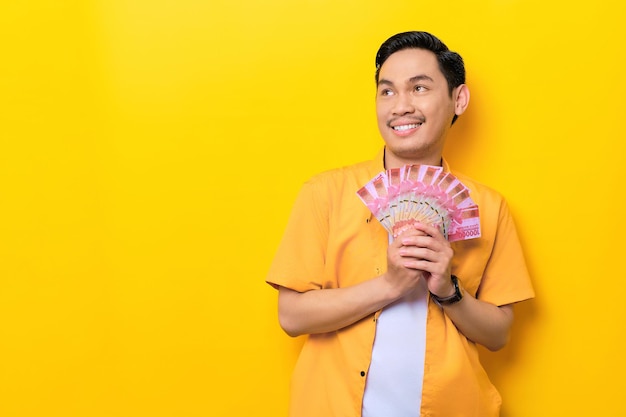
(429, 251)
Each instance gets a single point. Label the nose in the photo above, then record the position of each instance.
(403, 105)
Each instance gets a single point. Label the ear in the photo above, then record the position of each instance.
(461, 99)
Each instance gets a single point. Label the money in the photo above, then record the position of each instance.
(401, 197)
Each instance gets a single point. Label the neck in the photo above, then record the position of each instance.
(393, 161)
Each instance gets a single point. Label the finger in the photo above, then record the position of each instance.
(433, 243)
(407, 234)
(423, 241)
(407, 230)
(442, 256)
(420, 253)
(433, 268)
(429, 230)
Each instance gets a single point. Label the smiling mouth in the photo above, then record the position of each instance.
(403, 128)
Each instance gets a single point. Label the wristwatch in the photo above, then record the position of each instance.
(454, 298)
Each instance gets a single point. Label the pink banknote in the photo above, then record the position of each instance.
(400, 197)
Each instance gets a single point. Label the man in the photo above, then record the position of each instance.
(392, 321)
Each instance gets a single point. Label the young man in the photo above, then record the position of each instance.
(392, 322)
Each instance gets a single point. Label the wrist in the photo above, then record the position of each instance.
(454, 297)
(389, 290)
(446, 290)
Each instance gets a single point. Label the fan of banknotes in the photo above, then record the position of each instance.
(401, 197)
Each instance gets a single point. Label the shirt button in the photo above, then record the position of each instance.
(362, 373)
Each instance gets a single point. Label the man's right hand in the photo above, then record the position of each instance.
(402, 279)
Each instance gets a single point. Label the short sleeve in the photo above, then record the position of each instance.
(506, 279)
(299, 260)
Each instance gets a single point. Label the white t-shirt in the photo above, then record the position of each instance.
(394, 380)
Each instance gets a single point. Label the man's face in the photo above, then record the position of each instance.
(414, 108)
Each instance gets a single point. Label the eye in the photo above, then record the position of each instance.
(386, 92)
(419, 88)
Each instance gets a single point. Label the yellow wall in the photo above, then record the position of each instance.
(150, 152)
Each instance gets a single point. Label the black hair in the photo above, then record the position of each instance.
(450, 63)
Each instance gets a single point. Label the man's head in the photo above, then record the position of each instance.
(420, 92)
(450, 63)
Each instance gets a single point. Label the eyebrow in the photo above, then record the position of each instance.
(414, 79)
(422, 77)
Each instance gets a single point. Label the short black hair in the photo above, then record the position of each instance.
(450, 63)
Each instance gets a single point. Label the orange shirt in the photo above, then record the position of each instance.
(332, 241)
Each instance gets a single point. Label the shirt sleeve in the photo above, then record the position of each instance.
(506, 279)
(299, 260)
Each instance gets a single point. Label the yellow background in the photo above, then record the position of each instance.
(150, 152)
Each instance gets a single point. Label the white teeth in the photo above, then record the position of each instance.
(406, 127)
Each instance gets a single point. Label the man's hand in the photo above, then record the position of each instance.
(426, 251)
(402, 277)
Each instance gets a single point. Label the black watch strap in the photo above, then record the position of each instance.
(454, 298)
